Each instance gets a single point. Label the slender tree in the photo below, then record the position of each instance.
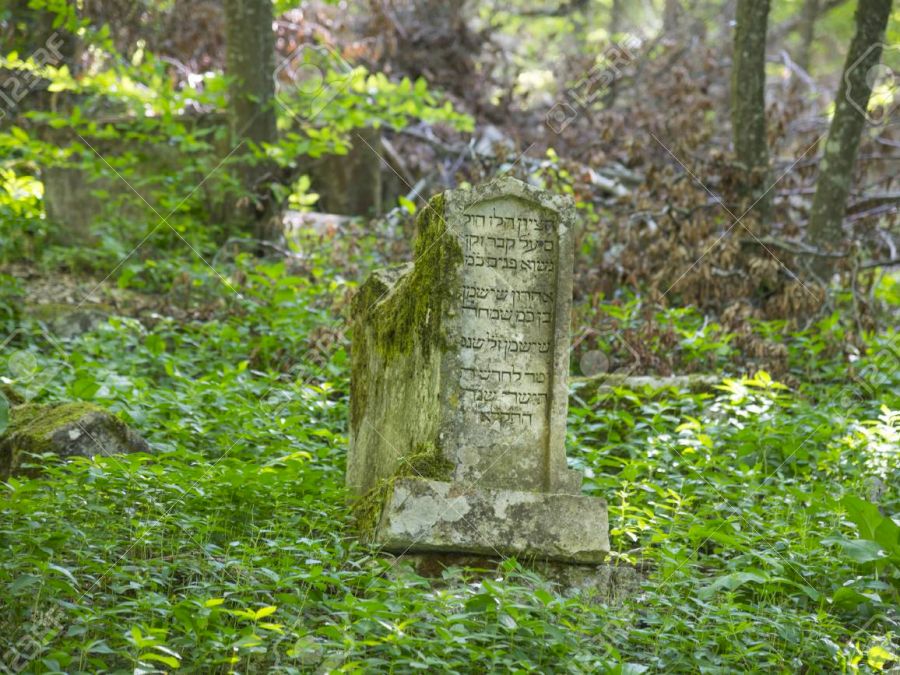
(836, 166)
(809, 14)
(250, 62)
(616, 17)
(748, 102)
(671, 15)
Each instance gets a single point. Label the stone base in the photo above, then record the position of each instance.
(426, 515)
(605, 583)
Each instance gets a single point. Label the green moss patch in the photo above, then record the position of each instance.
(426, 462)
(395, 315)
(412, 314)
(39, 422)
(34, 429)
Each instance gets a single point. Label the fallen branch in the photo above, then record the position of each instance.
(796, 247)
(879, 263)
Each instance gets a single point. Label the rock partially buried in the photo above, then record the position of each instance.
(64, 429)
(463, 357)
(66, 321)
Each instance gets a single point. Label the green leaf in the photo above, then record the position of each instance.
(407, 204)
(264, 612)
(170, 661)
(872, 525)
(66, 573)
(507, 621)
(848, 598)
(733, 581)
(480, 603)
(864, 515)
(878, 656)
(861, 551)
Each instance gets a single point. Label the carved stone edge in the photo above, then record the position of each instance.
(423, 515)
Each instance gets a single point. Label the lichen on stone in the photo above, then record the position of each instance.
(411, 313)
(426, 462)
(398, 314)
(32, 425)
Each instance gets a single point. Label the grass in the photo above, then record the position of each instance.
(230, 549)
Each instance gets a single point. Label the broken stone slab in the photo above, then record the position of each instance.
(66, 430)
(429, 515)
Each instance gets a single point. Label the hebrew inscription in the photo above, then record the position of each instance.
(505, 329)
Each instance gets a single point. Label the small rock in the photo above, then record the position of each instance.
(65, 429)
(67, 321)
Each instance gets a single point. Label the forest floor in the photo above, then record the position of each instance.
(758, 509)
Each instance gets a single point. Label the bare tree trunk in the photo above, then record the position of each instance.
(250, 62)
(616, 16)
(836, 167)
(807, 33)
(671, 15)
(748, 103)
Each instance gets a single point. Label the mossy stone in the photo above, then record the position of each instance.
(65, 429)
(398, 340)
(427, 462)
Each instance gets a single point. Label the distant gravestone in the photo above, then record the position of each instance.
(459, 385)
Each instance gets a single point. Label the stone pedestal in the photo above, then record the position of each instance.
(459, 385)
(606, 583)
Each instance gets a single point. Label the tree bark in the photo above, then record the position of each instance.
(250, 63)
(809, 15)
(836, 166)
(616, 17)
(748, 104)
(671, 15)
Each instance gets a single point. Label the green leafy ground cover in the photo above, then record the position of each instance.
(760, 512)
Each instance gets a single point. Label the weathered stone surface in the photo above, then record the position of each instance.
(428, 515)
(467, 349)
(65, 429)
(463, 355)
(505, 381)
(351, 184)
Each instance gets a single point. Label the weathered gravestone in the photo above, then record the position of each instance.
(459, 385)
